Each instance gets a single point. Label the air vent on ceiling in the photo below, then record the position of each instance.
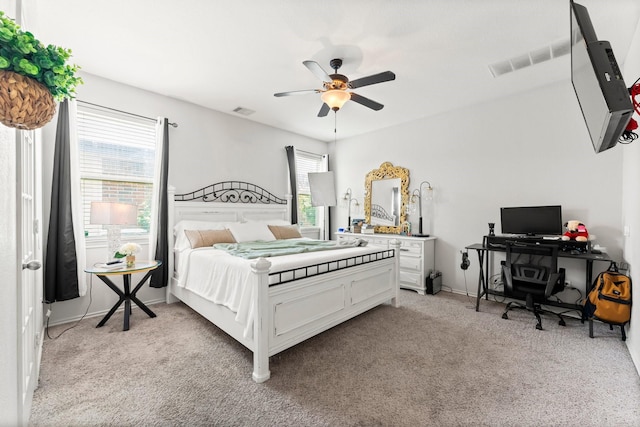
(536, 56)
(243, 111)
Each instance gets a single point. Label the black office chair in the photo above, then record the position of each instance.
(533, 280)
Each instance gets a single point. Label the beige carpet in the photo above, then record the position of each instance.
(434, 361)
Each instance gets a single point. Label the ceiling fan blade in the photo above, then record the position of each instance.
(316, 69)
(297, 92)
(324, 110)
(373, 79)
(366, 102)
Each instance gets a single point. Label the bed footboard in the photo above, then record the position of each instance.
(290, 313)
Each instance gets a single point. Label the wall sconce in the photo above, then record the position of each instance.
(113, 216)
(416, 201)
(347, 199)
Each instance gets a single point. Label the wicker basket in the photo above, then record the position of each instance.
(24, 102)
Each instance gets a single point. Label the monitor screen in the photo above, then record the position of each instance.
(531, 220)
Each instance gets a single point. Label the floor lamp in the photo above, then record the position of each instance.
(113, 216)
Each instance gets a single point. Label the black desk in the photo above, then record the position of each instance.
(483, 250)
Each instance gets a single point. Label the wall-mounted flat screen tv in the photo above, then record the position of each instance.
(531, 220)
(602, 94)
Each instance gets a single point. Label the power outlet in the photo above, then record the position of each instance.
(48, 313)
(567, 283)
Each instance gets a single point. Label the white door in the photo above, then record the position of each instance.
(30, 281)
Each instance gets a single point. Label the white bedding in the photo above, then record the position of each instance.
(225, 279)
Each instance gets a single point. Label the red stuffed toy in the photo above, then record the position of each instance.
(576, 230)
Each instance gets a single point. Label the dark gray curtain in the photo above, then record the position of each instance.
(160, 276)
(291, 158)
(60, 265)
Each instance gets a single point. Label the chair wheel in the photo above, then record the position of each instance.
(562, 322)
(539, 327)
(504, 316)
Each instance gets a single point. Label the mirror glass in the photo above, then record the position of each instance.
(385, 202)
(387, 194)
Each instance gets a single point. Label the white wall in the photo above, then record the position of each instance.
(207, 147)
(532, 149)
(631, 206)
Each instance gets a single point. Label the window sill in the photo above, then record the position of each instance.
(101, 241)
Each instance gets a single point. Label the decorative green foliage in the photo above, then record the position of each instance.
(22, 53)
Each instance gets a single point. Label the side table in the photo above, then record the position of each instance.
(128, 295)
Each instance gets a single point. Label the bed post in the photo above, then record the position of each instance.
(395, 244)
(261, 321)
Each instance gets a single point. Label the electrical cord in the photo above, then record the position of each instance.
(78, 321)
(466, 289)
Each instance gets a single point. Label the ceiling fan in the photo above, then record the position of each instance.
(334, 91)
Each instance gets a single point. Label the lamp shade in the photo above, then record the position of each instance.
(335, 98)
(109, 213)
(323, 188)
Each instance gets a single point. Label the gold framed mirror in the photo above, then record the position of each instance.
(387, 195)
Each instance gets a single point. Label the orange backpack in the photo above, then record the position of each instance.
(610, 298)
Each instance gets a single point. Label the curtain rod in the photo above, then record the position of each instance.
(175, 125)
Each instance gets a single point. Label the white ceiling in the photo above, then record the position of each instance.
(228, 54)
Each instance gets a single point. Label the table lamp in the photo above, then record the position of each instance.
(113, 216)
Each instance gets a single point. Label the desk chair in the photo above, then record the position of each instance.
(533, 280)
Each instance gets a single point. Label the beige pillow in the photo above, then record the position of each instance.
(201, 238)
(285, 231)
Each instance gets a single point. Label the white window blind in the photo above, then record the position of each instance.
(117, 152)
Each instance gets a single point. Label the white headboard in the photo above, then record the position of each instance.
(229, 201)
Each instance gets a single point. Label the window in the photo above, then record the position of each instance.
(308, 216)
(117, 152)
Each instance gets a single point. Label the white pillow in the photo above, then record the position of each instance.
(251, 231)
(273, 221)
(181, 240)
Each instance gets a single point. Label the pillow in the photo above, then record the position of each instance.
(201, 238)
(285, 231)
(251, 231)
(272, 221)
(181, 241)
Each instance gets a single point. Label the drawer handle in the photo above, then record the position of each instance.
(404, 250)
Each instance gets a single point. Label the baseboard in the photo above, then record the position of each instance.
(102, 313)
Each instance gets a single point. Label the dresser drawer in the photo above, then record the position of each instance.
(414, 248)
(410, 279)
(378, 242)
(369, 239)
(410, 263)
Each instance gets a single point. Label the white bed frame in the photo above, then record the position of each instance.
(289, 313)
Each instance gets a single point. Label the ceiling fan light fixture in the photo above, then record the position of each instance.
(335, 98)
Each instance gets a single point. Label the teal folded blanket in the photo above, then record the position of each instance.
(259, 249)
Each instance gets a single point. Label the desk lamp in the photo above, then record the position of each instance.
(113, 216)
(416, 198)
(347, 199)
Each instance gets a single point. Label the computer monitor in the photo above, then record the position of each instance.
(531, 220)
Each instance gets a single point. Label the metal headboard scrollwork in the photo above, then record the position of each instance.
(232, 192)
